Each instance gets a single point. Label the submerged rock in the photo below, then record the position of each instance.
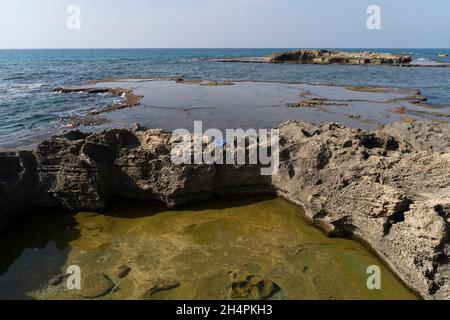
(95, 285)
(251, 287)
(391, 188)
(129, 99)
(123, 271)
(159, 287)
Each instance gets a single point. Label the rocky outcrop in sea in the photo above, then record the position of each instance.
(339, 57)
(389, 188)
(329, 57)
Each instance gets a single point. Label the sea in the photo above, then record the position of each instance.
(28, 77)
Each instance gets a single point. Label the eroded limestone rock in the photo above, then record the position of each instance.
(339, 57)
(390, 188)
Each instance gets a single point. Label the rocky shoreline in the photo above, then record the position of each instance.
(129, 100)
(390, 188)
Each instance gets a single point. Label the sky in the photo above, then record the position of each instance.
(224, 24)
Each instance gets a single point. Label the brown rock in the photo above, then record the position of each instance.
(390, 188)
(95, 285)
(123, 271)
(338, 57)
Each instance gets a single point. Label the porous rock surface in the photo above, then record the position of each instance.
(391, 188)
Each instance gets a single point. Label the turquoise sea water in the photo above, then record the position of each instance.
(27, 77)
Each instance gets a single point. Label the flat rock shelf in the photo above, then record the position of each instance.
(172, 104)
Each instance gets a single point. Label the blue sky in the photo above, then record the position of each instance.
(224, 23)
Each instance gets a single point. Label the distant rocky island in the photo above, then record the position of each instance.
(340, 57)
(327, 57)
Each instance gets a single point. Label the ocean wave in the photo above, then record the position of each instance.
(23, 87)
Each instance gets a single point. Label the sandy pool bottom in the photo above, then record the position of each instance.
(256, 248)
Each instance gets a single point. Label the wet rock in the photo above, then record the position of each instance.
(83, 121)
(129, 100)
(159, 287)
(56, 281)
(316, 102)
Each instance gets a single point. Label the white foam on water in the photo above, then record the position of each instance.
(23, 87)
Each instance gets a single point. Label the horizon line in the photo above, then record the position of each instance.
(118, 48)
(209, 48)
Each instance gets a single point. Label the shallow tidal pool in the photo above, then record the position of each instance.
(256, 248)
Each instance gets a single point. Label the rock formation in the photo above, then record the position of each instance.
(339, 57)
(129, 98)
(390, 188)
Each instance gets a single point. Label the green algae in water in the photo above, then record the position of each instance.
(257, 248)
